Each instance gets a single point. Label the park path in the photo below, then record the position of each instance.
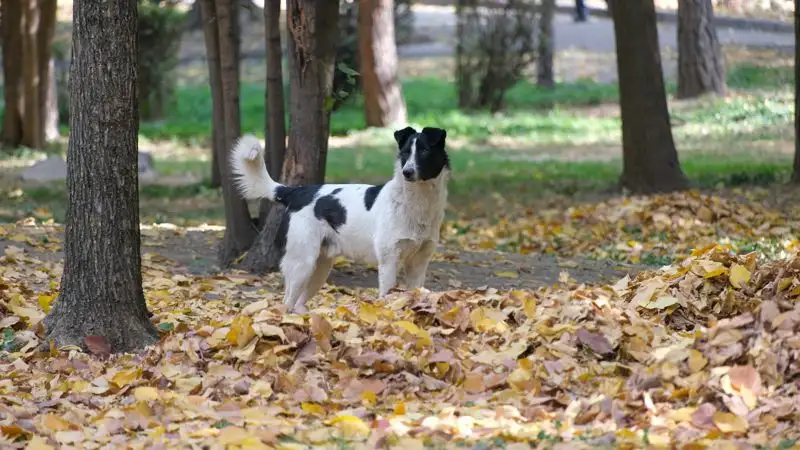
(596, 36)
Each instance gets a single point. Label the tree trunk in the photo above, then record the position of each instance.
(11, 28)
(650, 162)
(275, 125)
(28, 29)
(796, 171)
(222, 47)
(701, 68)
(101, 288)
(544, 58)
(312, 51)
(32, 125)
(215, 81)
(383, 98)
(48, 99)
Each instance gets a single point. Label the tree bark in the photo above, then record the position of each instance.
(796, 171)
(101, 288)
(312, 51)
(701, 68)
(221, 14)
(48, 99)
(544, 58)
(209, 23)
(650, 161)
(11, 27)
(383, 97)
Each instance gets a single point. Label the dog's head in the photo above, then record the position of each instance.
(421, 155)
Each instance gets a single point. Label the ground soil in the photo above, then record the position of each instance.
(194, 253)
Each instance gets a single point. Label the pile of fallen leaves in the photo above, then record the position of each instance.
(703, 353)
(654, 229)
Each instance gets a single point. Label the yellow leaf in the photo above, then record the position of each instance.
(368, 313)
(784, 284)
(312, 408)
(44, 302)
(423, 336)
(682, 414)
(369, 397)
(483, 319)
(267, 330)
(400, 409)
(55, 423)
(507, 274)
(662, 302)
(241, 332)
(18, 238)
(126, 377)
(739, 276)
(729, 422)
(145, 394)
(696, 361)
(351, 426)
(37, 443)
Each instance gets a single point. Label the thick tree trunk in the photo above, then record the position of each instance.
(544, 58)
(312, 51)
(101, 288)
(701, 68)
(383, 98)
(275, 125)
(650, 162)
(11, 28)
(796, 171)
(222, 42)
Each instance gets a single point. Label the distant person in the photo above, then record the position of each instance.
(581, 13)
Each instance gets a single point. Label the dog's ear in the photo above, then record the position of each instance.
(434, 136)
(401, 136)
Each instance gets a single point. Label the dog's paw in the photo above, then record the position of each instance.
(253, 154)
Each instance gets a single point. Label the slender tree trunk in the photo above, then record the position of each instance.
(11, 28)
(32, 125)
(239, 231)
(544, 59)
(209, 23)
(48, 100)
(383, 98)
(650, 161)
(701, 68)
(275, 125)
(101, 288)
(312, 51)
(796, 171)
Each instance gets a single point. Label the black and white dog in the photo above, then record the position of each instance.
(394, 225)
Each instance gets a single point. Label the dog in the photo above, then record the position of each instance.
(394, 225)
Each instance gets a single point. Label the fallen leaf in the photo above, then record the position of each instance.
(97, 345)
(729, 423)
(597, 342)
(351, 427)
(738, 276)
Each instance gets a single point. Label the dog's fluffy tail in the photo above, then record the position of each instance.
(250, 176)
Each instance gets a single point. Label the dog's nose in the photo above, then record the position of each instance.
(408, 173)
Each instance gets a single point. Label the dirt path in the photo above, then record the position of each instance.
(194, 252)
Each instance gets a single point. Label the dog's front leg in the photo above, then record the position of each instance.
(388, 264)
(416, 266)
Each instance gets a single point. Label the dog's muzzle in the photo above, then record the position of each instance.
(409, 174)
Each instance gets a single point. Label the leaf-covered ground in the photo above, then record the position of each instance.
(702, 353)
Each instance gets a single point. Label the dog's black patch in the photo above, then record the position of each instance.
(330, 209)
(282, 232)
(336, 191)
(296, 198)
(371, 194)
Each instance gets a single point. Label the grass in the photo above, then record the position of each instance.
(546, 145)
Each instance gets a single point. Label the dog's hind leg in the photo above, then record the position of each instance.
(315, 282)
(388, 265)
(416, 266)
(297, 270)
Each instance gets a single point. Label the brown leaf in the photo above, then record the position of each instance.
(97, 345)
(322, 331)
(597, 342)
(745, 377)
(702, 417)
